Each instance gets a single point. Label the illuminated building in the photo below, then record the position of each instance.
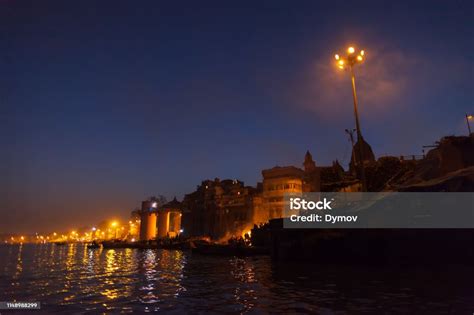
(147, 221)
(169, 219)
(159, 221)
(218, 208)
(277, 182)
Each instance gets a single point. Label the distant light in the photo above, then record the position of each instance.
(359, 58)
(362, 52)
(341, 62)
(350, 50)
(336, 56)
(133, 240)
(470, 117)
(153, 205)
(181, 231)
(94, 228)
(114, 223)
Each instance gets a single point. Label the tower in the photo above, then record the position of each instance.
(361, 149)
(309, 164)
(312, 174)
(148, 221)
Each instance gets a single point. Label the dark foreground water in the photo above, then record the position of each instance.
(72, 279)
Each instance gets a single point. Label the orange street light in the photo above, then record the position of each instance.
(114, 225)
(348, 62)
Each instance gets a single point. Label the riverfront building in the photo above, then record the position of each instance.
(221, 209)
(224, 208)
(159, 221)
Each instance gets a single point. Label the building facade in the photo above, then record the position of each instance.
(220, 209)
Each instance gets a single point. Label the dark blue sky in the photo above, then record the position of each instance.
(105, 103)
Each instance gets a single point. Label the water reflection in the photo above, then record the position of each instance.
(162, 275)
(19, 267)
(75, 279)
(244, 272)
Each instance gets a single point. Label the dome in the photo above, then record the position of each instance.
(365, 150)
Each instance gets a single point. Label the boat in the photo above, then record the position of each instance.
(93, 245)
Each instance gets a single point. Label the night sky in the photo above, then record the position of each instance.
(104, 103)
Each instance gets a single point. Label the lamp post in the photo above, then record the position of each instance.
(349, 61)
(350, 132)
(469, 117)
(114, 225)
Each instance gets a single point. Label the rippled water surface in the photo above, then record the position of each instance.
(73, 279)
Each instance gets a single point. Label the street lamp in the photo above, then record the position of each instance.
(469, 117)
(114, 225)
(349, 61)
(350, 132)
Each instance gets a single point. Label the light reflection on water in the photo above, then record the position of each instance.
(76, 279)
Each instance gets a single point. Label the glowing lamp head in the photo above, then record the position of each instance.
(341, 62)
(350, 50)
(362, 52)
(470, 117)
(359, 58)
(336, 56)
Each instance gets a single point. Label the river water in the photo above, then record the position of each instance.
(72, 279)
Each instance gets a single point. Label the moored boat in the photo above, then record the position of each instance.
(93, 245)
